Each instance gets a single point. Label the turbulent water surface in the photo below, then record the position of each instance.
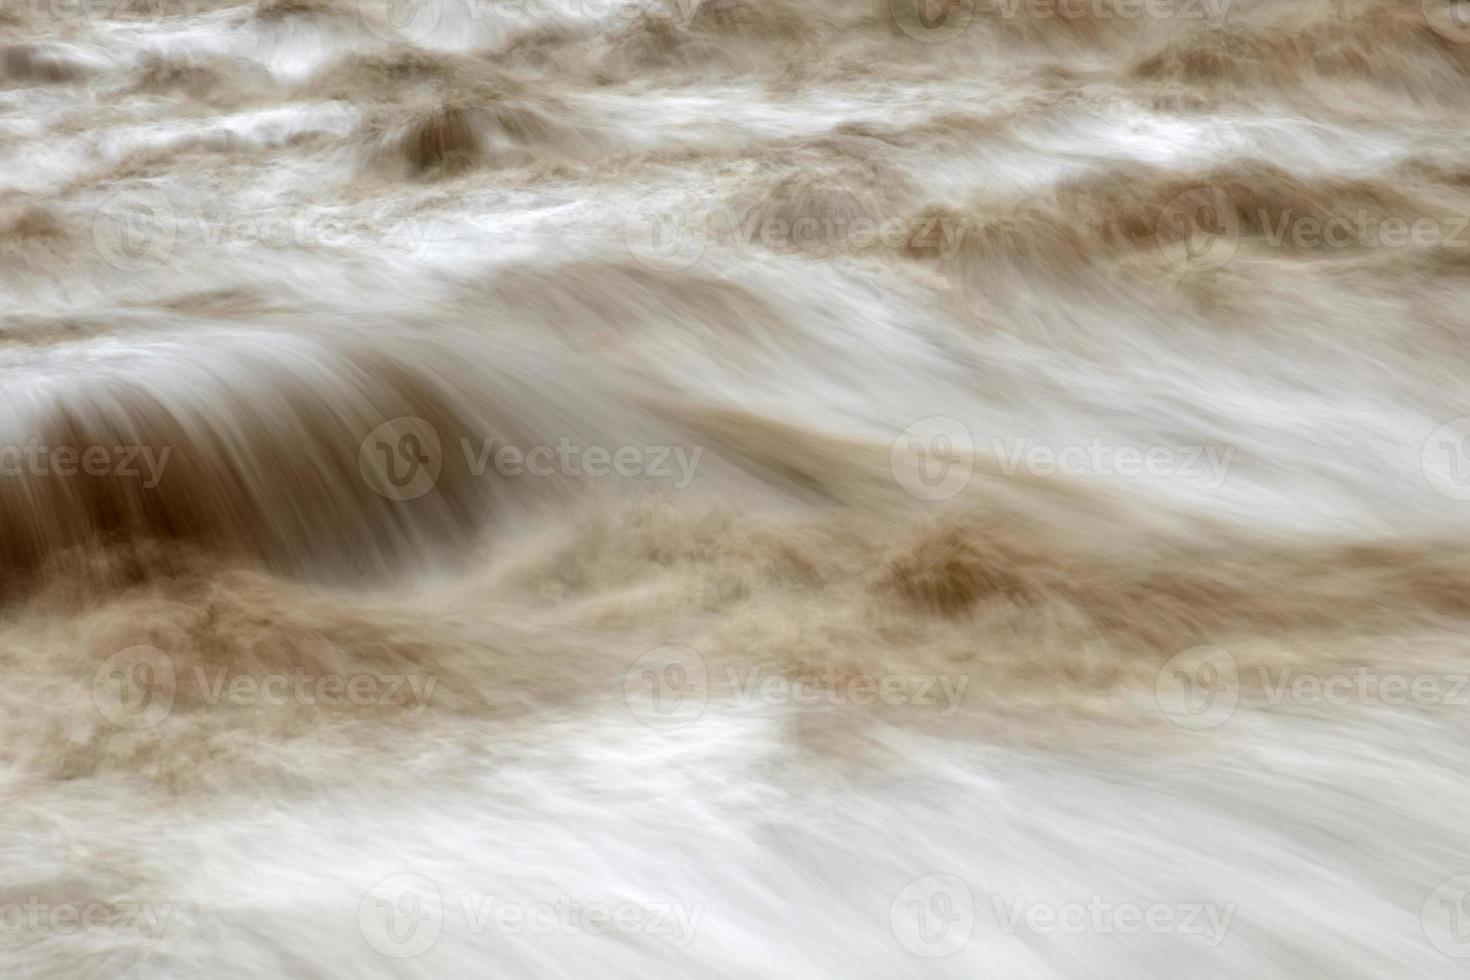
(734, 488)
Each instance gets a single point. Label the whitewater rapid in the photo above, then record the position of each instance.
(740, 488)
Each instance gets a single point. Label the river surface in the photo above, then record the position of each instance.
(734, 488)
